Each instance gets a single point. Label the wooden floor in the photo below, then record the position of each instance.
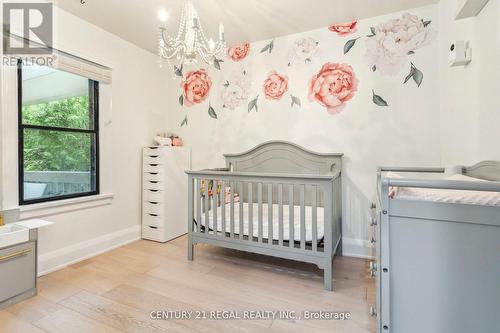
(116, 292)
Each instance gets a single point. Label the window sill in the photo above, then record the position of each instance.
(63, 206)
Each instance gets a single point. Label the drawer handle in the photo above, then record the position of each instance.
(153, 165)
(153, 147)
(152, 227)
(15, 255)
(154, 190)
(154, 156)
(153, 202)
(153, 215)
(153, 173)
(153, 182)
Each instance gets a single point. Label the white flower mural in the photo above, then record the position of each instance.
(236, 89)
(302, 50)
(391, 43)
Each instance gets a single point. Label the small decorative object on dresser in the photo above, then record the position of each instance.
(164, 195)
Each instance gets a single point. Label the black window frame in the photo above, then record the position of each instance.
(94, 120)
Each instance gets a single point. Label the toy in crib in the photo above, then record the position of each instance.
(218, 187)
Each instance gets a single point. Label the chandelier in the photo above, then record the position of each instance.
(190, 42)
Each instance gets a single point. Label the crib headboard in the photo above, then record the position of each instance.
(284, 157)
(488, 170)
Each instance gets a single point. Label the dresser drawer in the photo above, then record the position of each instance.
(153, 176)
(153, 159)
(153, 220)
(153, 185)
(17, 267)
(153, 233)
(153, 208)
(153, 195)
(153, 167)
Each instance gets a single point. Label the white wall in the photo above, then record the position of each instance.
(470, 101)
(406, 133)
(132, 110)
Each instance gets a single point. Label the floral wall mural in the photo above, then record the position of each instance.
(389, 47)
(367, 88)
(333, 86)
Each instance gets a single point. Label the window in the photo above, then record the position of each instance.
(58, 135)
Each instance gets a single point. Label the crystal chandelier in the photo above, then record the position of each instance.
(190, 43)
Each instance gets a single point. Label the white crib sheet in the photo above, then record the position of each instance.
(447, 196)
(265, 221)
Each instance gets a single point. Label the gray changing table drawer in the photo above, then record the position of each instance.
(17, 268)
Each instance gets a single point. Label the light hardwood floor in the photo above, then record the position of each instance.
(116, 292)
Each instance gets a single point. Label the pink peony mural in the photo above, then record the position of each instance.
(195, 87)
(344, 29)
(275, 86)
(333, 86)
(239, 52)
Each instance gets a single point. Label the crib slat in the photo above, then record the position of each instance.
(280, 214)
(314, 205)
(240, 218)
(302, 217)
(198, 204)
(269, 213)
(223, 208)
(207, 209)
(291, 220)
(231, 218)
(250, 211)
(214, 208)
(259, 199)
(191, 205)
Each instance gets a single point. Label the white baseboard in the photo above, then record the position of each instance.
(357, 248)
(58, 259)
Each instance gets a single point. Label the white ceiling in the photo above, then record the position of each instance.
(245, 20)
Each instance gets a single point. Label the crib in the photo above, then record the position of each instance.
(276, 199)
(437, 260)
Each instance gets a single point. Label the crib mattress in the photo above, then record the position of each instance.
(265, 221)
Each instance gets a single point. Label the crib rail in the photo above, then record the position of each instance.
(274, 214)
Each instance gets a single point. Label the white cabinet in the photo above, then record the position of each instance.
(164, 192)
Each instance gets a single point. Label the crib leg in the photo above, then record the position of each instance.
(328, 271)
(190, 249)
(339, 249)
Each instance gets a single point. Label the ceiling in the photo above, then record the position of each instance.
(245, 20)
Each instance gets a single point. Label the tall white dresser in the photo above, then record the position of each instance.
(164, 194)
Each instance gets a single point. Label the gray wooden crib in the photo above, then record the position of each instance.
(437, 267)
(276, 199)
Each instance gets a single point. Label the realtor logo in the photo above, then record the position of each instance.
(27, 28)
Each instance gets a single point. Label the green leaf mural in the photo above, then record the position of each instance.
(185, 121)
(295, 101)
(211, 112)
(217, 63)
(379, 100)
(253, 104)
(269, 47)
(349, 44)
(178, 71)
(416, 74)
(181, 100)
